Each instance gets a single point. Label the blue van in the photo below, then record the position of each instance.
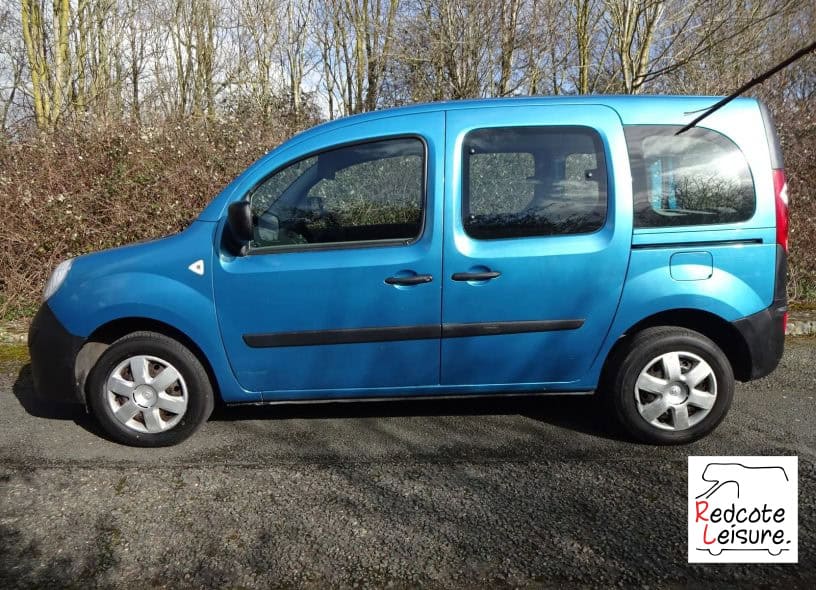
(534, 245)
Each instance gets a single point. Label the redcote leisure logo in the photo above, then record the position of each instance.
(743, 510)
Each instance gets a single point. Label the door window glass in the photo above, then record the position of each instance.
(359, 193)
(533, 181)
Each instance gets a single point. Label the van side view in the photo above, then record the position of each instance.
(530, 245)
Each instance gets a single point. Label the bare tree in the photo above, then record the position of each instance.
(259, 37)
(510, 34)
(633, 27)
(12, 64)
(104, 60)
(190, 30)
(297, 15)
(694, 34)
(137, 45)
(359, 51)
(324, 37)
(204, 22)
(46, 41)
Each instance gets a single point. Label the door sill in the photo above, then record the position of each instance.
(404, 397)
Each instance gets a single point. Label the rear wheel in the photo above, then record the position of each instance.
(149, 390)
(670, 386)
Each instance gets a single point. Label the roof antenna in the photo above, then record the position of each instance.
(758, 80)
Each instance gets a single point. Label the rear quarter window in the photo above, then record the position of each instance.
(697, 178)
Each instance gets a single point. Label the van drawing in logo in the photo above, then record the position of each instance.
(722, 474)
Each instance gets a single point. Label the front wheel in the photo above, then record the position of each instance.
(149, 390)
(670, 386)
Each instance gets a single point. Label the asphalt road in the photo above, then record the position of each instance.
(530, 492)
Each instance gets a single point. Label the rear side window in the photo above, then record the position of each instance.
(697, 178)
(533, 181)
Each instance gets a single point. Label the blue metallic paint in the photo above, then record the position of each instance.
(548, 277)
(338, 289)
(151, 281)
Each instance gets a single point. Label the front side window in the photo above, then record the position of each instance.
(696, 178)
(359, 193)
(533, 181)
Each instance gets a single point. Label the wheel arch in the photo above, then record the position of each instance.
(106, 334)
(718, 330)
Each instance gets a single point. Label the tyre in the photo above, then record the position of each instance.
(670, 386)
(149, 390)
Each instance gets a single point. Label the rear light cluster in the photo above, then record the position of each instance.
(781, 199)
(782, 221)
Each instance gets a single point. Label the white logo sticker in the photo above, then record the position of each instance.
(197, 267)
(743, 510)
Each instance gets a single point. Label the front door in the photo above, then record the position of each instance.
(538, 230)
(340, 293)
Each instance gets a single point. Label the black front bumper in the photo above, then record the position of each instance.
(53, 351)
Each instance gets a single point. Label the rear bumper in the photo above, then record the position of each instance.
(764, 332)
(764, 335)
(53, 351)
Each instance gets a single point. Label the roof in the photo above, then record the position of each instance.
(632, 109)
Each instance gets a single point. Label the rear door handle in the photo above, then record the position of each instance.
(407, 281)
(475, 276)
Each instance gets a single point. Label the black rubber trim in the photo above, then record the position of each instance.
(53, 351)
(409, 281)
(475, 276)
(764, 335)
(496, 328)
(362, 400)
(697, 244)
(360, 244)
(345, 336)
(387, 334)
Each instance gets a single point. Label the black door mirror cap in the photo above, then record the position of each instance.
(239, 219)
(239, 230)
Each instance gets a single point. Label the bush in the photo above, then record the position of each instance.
(87, 188)
(798, 137)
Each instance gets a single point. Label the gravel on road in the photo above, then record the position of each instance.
(471, 493)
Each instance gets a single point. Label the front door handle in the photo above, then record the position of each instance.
(408, 281)
(475, 276)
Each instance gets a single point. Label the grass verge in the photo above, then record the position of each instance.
(13, 353)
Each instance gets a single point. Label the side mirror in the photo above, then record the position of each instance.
(239, 226)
